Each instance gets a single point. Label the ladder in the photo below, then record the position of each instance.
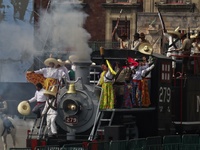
(104, 118)
(33, 129)
(41, 129)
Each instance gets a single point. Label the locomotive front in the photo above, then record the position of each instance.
(78, 102)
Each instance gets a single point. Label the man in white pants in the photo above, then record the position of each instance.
(50, 110)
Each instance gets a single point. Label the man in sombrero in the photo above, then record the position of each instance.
(50, 110)
(61, 66)
(48, 76)
(174, 43)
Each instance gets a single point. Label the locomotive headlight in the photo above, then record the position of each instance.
(71, 107)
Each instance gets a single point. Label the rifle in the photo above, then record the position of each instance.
(162, 22)
(120, 13)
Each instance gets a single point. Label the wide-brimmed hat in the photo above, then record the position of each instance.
(51, 91)
(60, 62)
(145, 48)
(24, 108)
(50, 60)
(73, 58)
(175, 32)
(67, 62)
(195, 36)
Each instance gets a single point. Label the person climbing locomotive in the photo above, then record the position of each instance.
(40, 98)
(48, 76)
(50, 109)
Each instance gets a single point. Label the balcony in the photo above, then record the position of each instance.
(175, 6)
(122, 4)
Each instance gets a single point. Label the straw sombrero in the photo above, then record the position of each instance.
(52, 91)
(145, 48)
(194, 36)
(50, 60)
(73, 58)
(67, 62)
(24, 108)
(60, 62)
(175, 32)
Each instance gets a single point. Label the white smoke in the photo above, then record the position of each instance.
(60, 28)
(16, 42)
(63, 26)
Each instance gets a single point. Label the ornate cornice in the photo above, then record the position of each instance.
(176, 7)
(121, 6)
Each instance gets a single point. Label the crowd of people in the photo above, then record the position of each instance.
(180, 46)
(184, 47)
(125, 84)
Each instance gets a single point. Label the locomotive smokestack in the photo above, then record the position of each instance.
(83, 71)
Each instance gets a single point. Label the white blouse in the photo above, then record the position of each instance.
(51, 73)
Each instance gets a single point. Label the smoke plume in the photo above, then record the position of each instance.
(62, 27)
(17, 48)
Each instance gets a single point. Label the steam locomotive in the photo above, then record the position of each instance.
(174, 105)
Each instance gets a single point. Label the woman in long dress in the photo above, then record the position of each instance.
(106, 82)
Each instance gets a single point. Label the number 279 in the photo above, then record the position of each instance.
(164, 94)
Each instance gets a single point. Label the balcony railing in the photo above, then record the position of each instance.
(95, 45)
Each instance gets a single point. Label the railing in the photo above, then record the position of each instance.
(168, 142)
(95, 45)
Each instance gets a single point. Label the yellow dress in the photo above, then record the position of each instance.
(39, 78)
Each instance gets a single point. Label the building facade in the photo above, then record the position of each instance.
(134, 16)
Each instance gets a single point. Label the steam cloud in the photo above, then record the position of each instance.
(63, 26)
(16, 42)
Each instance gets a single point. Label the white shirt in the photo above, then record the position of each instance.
(135, 45)
(50, 110)
(108, 77)
(138, 72)
(51, 73)
(195, 49)
(65, 70)
(147, 70)
(171, 40)
(39, 96)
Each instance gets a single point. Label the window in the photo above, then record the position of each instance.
(175, 1)
(123, 27)
(121, 1)
(166, 72)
